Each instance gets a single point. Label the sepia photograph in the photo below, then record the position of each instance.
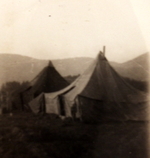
(74, 79)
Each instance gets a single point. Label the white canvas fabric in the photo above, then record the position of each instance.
(52, 105)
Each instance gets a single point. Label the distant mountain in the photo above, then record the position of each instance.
(22, 68)
(137, 68)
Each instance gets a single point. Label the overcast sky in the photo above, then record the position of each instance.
(52, 29)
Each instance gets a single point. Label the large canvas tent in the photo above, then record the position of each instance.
(47, 81)
(99, 94)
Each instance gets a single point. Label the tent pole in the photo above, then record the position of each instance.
(104, 49)
(22, 106)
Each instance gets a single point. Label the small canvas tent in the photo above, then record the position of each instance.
(51, 102)
(100, 93)
(48, 80)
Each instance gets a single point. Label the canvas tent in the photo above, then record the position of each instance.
(51, 102)
(100, 93)
(48, 80)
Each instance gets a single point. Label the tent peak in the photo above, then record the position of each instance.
(102, 55)
(50, 64)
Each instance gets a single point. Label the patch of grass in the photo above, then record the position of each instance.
(46, 136)
(24, 135)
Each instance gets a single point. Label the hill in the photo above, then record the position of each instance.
(22, 68)
(137, 68)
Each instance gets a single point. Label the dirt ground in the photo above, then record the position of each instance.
(24, 135)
